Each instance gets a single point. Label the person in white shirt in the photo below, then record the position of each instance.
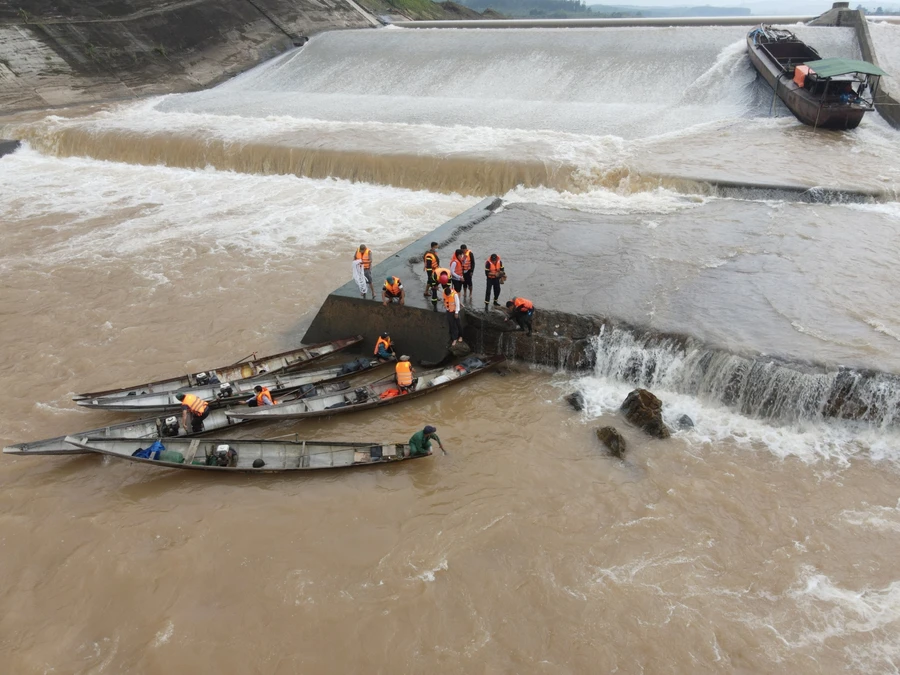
(453, 306)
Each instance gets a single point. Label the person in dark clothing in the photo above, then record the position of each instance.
(494, 275)
(468, 260)
(432, 262)
(521, 310)
(420, 443)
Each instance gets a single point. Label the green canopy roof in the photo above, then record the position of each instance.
(834, 67)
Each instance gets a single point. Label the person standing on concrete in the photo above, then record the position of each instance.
(453, 306)
(456, 270)
(432, 262)
(393, 290)
(468, 261)
(420, 443)
(521, 311)
(495, 275)
(364, 255)
(440, 278)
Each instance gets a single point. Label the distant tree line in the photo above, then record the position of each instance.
(879, 11)
(553, 9)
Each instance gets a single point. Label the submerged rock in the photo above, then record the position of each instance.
(644, 411)
(613, 440)
(685, 422)
(576, 400)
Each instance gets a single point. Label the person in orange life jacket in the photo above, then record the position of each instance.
(365, 255)
(456, 270)
(493, 273)
(468, 261)
(392, 290)
(440, 278)
(521, 311)
(263, 397)
(431, 261)
(452, 305)
(405, 374)
(193, 411)
(384, 349)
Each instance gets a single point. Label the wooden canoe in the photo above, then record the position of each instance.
(147, 428)
(282, 362)
(276, 455)
(367, 396)
(280, 384)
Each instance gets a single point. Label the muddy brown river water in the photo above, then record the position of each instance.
(743, 545)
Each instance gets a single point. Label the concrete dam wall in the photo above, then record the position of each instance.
(62, 52)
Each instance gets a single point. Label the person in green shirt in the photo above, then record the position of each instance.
(420, 443)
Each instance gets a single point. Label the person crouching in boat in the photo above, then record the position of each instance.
(193, 411)
(384, 348)
(263, 397)
(420, 443)
(404, 373)
(392, 290)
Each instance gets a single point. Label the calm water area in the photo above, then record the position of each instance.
(148, 239)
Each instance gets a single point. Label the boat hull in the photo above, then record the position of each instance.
(277, 456)
(805, 107)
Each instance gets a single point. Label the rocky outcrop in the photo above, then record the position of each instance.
(644, 411)
(7, 147)
(613, 440)
(576, 400)
(685, 422)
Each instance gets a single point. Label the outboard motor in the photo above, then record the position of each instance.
(225, 390)
(201, 379)
(223, 455)
(167, 427)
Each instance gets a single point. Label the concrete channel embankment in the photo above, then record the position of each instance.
(71, 52)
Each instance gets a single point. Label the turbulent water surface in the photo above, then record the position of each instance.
(149, 239)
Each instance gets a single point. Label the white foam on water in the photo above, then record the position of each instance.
(111, 210)
(163, 636)
(811, 442)
(429, 575)
(885, 518)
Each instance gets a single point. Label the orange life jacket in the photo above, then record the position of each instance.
(468, 261)
(493, 268)
(383, 341)
(366, 258)
(263, 395)
(450, 301)
(460, 268)
(431, 260)
(436, 275)
(522, 305)
(404, 373)
(394, 288)
(195, 404)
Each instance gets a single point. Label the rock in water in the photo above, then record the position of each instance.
(685, 422)
(460, 349)
(644, 410)
(613, 440)
(576, 400)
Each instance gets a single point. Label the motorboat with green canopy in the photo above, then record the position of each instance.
(831, 93)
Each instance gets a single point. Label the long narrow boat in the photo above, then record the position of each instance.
(228, 394)
(148, 428)
(828, 93)
(251, 456)
(248, 367)
(375, 395)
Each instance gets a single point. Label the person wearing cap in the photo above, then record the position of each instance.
(392, 290)
(420, 442)
(495, 275)
(521, 310)
(384, 348)
(456, 270)
(404, 372)
(263, 397)
(364, 255)
(453, 305)
(193, 411)
(468, 264)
